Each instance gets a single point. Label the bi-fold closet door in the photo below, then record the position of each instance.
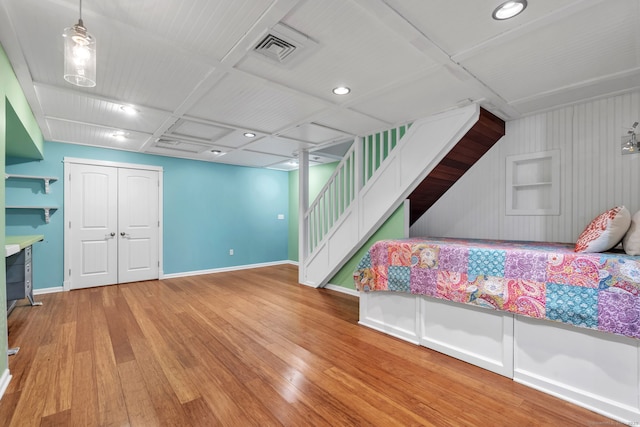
(113, 219)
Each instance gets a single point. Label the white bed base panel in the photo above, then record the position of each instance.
(478, 336)
(592, 369)
(395, 314)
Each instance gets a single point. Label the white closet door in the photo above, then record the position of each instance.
(94, 226)
(138, 225)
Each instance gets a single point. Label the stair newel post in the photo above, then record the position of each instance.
(358, 175)
(303, 218)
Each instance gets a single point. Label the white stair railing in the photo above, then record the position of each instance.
(378, 172)
(340, 190)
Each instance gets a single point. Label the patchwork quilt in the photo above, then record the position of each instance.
(541, 280)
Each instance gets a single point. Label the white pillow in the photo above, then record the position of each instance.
(631, 240)
(605, 231)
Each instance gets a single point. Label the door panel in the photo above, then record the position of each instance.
(138, 225)
(93, 219)
(113, 225)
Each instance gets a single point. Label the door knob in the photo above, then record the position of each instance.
(122, 233)
(113, 234)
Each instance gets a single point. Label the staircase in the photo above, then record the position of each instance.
(480, 138)
(378, 173)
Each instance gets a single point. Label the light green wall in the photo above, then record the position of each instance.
(18, 123)
(318, 177)
(393, 228)
(4, 360)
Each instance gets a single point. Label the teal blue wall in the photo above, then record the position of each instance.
(209, 208)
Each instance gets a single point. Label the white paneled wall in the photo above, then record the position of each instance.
(594, 176)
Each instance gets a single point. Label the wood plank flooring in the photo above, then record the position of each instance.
(243, 348)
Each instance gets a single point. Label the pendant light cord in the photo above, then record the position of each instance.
(80, 9)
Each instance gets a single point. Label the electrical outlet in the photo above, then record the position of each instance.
(230, 251)
(280, 216)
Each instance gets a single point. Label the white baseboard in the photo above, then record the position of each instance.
(342, 289)
(223, 269)
(609, 408)
(51, 290)
(4, 382)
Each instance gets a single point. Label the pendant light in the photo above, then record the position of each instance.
(79, 55)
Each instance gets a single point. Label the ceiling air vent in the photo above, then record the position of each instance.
(275, 48)
(185, 147)
(283, 45)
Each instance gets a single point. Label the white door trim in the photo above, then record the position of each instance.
(67, 203)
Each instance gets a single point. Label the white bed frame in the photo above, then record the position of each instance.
(592, 369)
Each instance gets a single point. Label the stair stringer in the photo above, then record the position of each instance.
(421, 149)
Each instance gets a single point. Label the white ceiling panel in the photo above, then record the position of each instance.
(315, 133)
(199, 130)
(563, 53)
(206, 156)
(76, 106)
(420, 98)
(237, 139)
(350, 122)
(251, 158)
(280, 146)
(181, 146)
(146, 73)
(210, 28)
(355, 49)
(254, 104)
(292, 164)
(287, 166)
(589, 90)
(65, 131)
(457, 26)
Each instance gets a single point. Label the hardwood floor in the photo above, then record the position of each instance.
(240, 349)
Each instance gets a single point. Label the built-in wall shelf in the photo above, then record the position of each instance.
(45, 179)
(533, 184)
(46, 209)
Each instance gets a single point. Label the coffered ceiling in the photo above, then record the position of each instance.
(196, 75)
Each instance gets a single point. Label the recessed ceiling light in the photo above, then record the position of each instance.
(509, 9)
(250, 134)
(216, 152)
(129, 109)
(341, 90)
(120, 135)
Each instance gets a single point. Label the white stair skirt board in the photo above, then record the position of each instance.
(5, 379)
(476, 335)
(592, 369)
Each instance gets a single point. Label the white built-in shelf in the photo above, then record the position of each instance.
(45, 179)
(533, 186)
(46, 210)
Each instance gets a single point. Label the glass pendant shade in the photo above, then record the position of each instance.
(79, 56)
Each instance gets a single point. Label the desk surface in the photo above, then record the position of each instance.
(14, 244)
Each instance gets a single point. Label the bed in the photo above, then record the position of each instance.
(564, 322)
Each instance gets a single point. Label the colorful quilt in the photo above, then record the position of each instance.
(541, 280)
